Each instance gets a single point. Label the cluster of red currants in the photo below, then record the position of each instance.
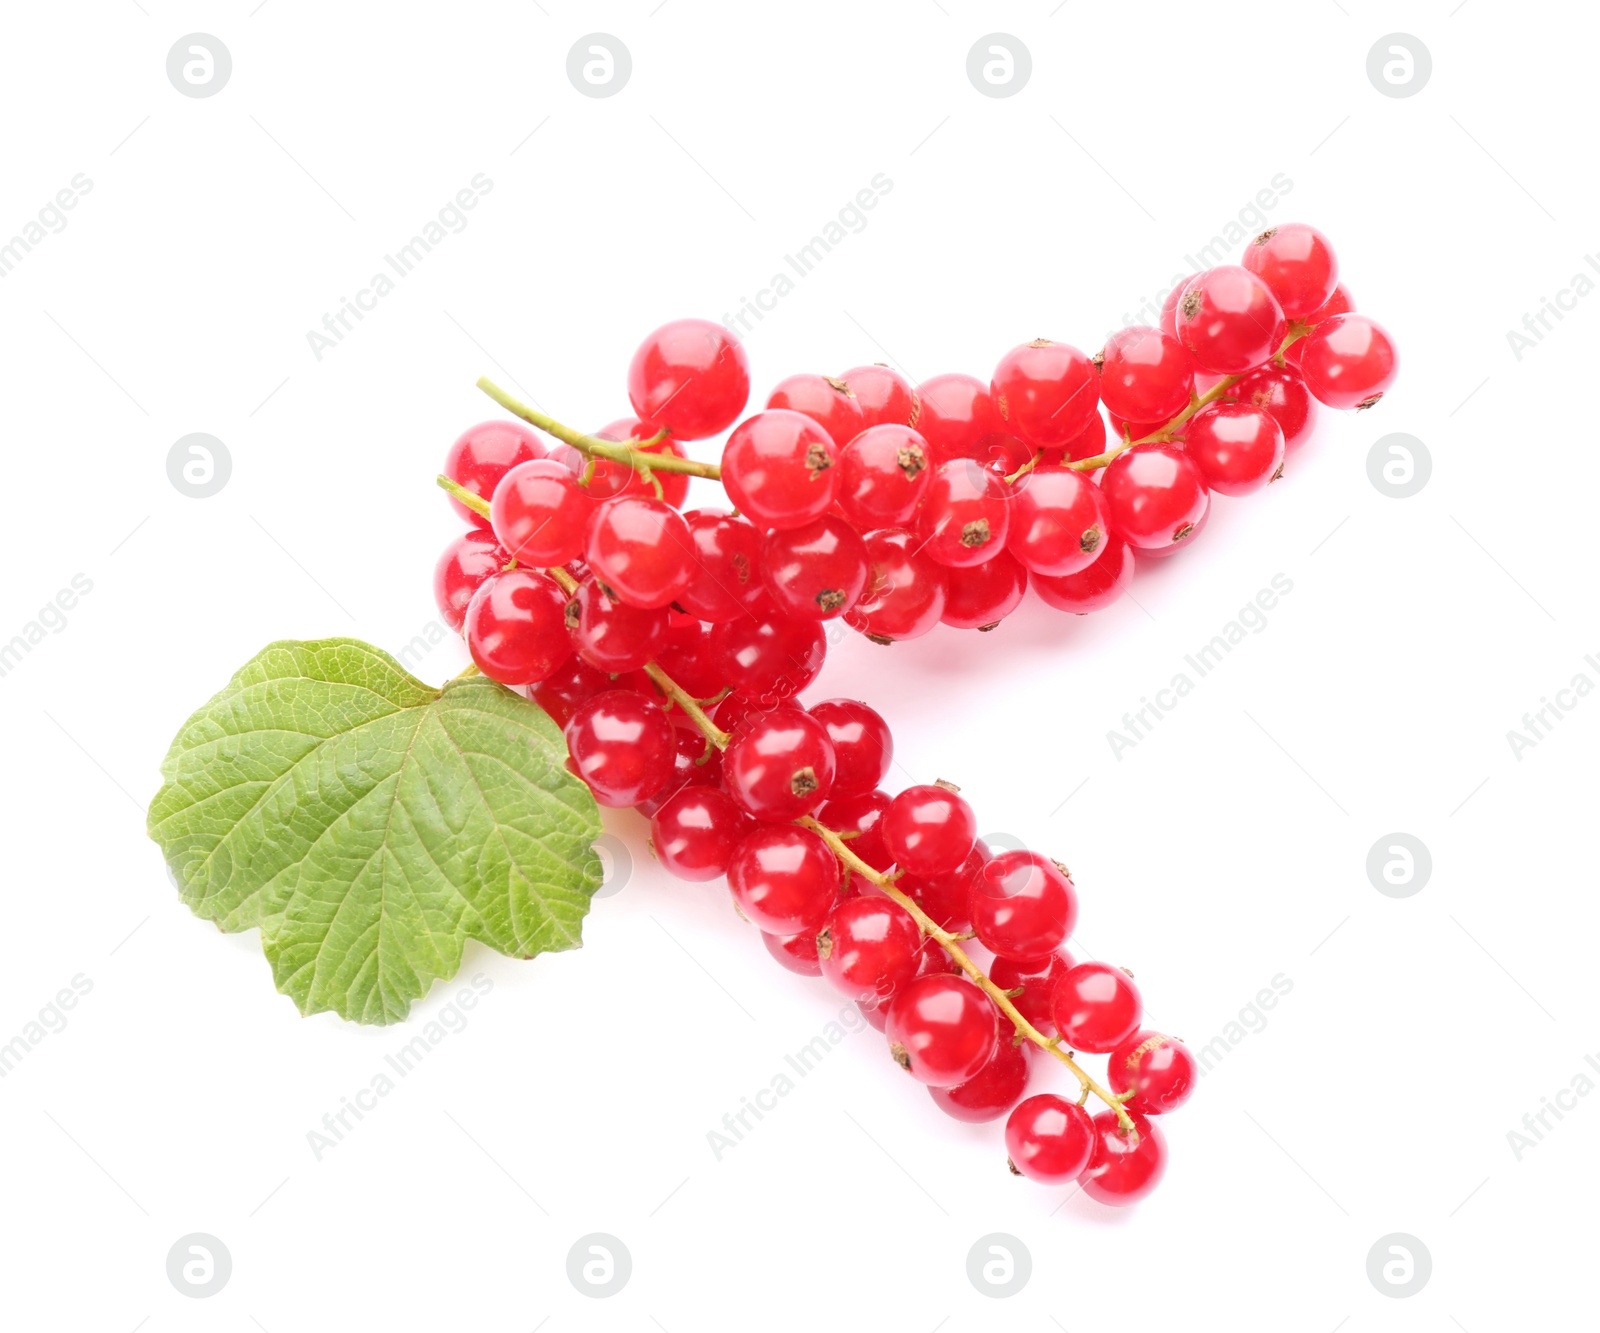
(671, 646)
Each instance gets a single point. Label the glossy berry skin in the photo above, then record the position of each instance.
(1160, 1071)
(860, 819)
(622, 745)
(904, 597)
(695, 831)
(1168, 321)
(1297, 263)
(1155, 496)
(798, 953)
(995, 1088)
(1089, 443)
(868, 948)
(689, 655)
(982, 596)
(883, 475)
(1093, 588)
(1023, 905)
(1003, 454)
(1282, 393)
(779, 764)
(1058, 521)
(1238, 449)
(862, 744)
(1340, 303)
(610, 635)
(695, 763)
(725, 569)
(1096, 1007)
(466, 563)
(784, 879)
(770, 658)
(778, 469)
(830, 402)
(1045, 391)
(965, 515)
(691, 376)
(1145, 375)
(610, 478)
(1122, 1171)
(929, 830)
(482, 455)
(947, 898)
(1229, 321)
(1349, 361)
(816, 572)
(516, 627)
(639, 547)
(957, 414)
(1049, 1139)
(560, 693)
(539, 513)
(884, 395)
(941, 1029)
(1037, 977)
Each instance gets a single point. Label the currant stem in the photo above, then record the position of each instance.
(628, 452)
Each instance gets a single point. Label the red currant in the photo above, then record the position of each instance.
(1159, 1070)
(1297, 264)
(1123, 1170)
(966, 514)
(1023, 905)
(1145, 375)
(868, 948)
(622, 745)
(1229, 320)
(1091, 443)
(957, 413)
(1096, 1007)
(1154, 496)
(779, 764)
(769, 658)
(725, 575)
(929, 830)
(859, 819)
(1168, 321)
(608, 478)
(905, 595)
(778, 468)
(696, 762)
(1282, 393)
(463, 567)
(560, 693)
(482, 455)
(784, 879)
(941, 1030)
(641, 550)
(539, 513)
(883, 474)
(1058, 521)
(816, 572)
(1349, 361)
(885, 396)
(516, 627)
(1238, 449)
(1340, 303)
(1090, 589)
(982, 596)
(611, 635)
(862, 744)
(1045, 391)
(995, 1088)
(798, 953)
(695, 832)
(1037, 978)
(690, 656)
(946, 898)
(691, 376)
(830, 402)
(1049, 1139)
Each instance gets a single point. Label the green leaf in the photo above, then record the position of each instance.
(370, 824)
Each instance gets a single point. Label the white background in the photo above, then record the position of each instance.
(1225, 850)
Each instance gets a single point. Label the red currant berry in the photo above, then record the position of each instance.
(539, 513)
(622, 745)
(932, 960)
(1297, 264)
(1098, 586)
(1037, 978)
(779, 764)
(930, 830)
(560, 693)
(611, 635)
(1168, 321)
(695, 831)
(798, 953)
(1340, 303)
(1045, 391)
(816, 572)
(946, 898)
(1003, 454)
(868, 948)
(1155, 496)
(778, 468)
(461, 570)
(482, 455)
(877, 1015)
(696, 762)
(609, 479)
(1049, 1139)
(1237, 449)
(725, 575)
(830, 402)
(883, 475)
(691, 376)
(1023, 905)
(957, 413)
(1091, 443)
(1058, 521)
(1159, 1070)
(995, 1088)
(784, 879)
(516, 627)
(941, 1030)
(769, 659)
(862, 744)
(984, 595)
(885, 396)
(1282, 393)
(1145, 375)
(641, 550)
(1096, 1007)
(1121, 1170)
(1229, 320)
(905, 594)
(965, 516)
(690, 656)
(1349, 361)
(859, 819)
